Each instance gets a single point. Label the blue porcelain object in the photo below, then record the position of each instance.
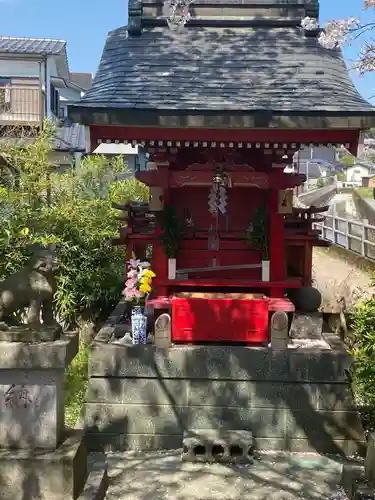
(139, 326)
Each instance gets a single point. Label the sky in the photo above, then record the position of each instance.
(84, 24)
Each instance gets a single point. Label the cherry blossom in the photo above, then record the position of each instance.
(309, 23)
(337, 33)
(177, 12)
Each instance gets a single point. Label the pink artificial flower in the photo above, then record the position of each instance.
(129, 294)
(131, 283)
(132, 274)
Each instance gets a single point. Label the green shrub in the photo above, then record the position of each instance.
(38, 204)
(362, 345)
(72, 209)
(76, 385)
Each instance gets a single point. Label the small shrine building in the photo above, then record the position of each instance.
(221, 107)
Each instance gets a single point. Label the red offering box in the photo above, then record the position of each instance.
(220, 320)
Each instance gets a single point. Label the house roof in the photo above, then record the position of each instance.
(70, 137)
(312, 170)
(20, 45)
(82, 80)
(116, 149)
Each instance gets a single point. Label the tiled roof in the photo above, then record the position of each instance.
(82, 80)
(242, 69)
(70, 137)
(13, 45)
(310, 169)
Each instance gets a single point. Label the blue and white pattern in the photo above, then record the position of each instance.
(139, 326)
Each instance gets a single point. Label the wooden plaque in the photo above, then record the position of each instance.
(285, 203)
(156, 199)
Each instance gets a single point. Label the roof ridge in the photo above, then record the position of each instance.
(2, 37)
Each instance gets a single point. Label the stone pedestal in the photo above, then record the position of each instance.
(45, 475)
(39, 458)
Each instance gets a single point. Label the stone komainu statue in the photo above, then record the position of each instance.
(32, 288)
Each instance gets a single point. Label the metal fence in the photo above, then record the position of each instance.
(357, 236)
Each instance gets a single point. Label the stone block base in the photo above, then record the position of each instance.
(142, 397)
(49, 475)
(217, 446)
(307, 326)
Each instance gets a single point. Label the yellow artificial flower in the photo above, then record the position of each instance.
(144, 280)
(149, 273)
(145, 288)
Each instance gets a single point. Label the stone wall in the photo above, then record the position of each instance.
(144, 397)
(318, 197)
(364, 208)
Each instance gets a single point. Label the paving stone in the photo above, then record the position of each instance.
(163, 476)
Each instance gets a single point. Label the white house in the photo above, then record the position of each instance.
(355, 174)
(135, 157)
(35, 82)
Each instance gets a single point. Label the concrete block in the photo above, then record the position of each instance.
(217, 363)
(32, 475)
(307, 326)
(254, 394)
(119, 442)
(351, 475)
(362, 491)
(31, 408)
(370, 460)
(210, 445)
(147, 391)
(97, 481)
(335, 397)
(324, 424)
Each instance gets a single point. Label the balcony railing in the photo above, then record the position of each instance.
(20, 105)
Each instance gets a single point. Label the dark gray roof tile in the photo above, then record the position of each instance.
(70, 137)
(82, 80)
(14, 45)
(244, 69)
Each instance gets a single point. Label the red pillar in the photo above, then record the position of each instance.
(277, 242)
(160, 260)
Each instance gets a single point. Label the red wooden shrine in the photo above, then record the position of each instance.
(220, 109)
(214, 259)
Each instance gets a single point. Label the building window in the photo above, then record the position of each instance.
(5, 94)
(55, 101)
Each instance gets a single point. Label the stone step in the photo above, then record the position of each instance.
(211, 445)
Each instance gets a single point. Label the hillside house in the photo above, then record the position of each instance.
(35, 83)
(355, 174)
